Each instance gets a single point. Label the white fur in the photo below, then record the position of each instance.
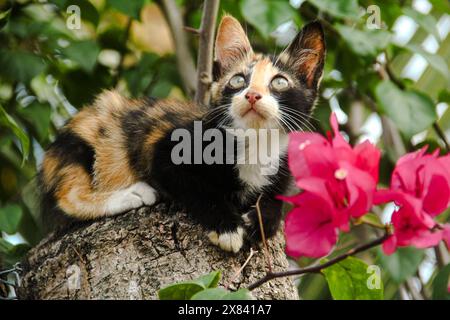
(135, 196)
(252, 174)
(228, 241)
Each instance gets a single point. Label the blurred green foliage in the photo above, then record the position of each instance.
(49, 70)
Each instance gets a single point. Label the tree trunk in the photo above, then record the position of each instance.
(132, 256)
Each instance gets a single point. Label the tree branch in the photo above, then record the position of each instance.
(318, 268)
(184, 58)
(205, 52)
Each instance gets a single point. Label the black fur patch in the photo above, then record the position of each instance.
(216, 71)
(136, 125)
(69, 148)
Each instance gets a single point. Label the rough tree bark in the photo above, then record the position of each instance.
(133, 255)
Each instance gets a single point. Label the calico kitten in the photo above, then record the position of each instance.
(116, 155)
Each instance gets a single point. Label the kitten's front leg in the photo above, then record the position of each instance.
(271, 210)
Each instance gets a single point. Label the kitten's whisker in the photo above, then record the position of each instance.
(286, 123)
(296, 123)
(309, 116)
(298, 117)
(299, 123)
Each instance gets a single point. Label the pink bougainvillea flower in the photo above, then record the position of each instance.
(309, 228)
(344, 176)
(420, 186)
(426, 177)
(412, 227)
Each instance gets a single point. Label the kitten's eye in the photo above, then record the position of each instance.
(237, 82)
(279, 84)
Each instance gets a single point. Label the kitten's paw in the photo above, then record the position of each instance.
(133, 197)
(146, 193)
(228, 241)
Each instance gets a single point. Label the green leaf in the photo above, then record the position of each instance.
(223, 294)
(185, 290)
(444, 96)
(350, 280)
(241, 294)
(84, 53)
(341, 9)
(180, 291)
(402, 264)
(266, 15)
(436, 62)
(10, 217)
(9, 122)
(161, 89)
(38, 115)
(210, 294)
(210, 280)
(4, 16)
(20, 65)
(366, 43)
(139, 77)
(130, 8)
(441, 284)
(426, 21)
(441, 5)
(411, 111)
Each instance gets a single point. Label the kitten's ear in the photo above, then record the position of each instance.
(306, 53)
(231, 42)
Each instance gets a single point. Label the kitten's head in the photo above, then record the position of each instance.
(261, 91)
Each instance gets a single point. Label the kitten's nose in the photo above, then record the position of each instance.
(252, 97)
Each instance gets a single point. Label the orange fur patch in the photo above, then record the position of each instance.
(263, 72)
(76, 196)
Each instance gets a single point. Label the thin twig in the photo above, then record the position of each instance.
(78, 254)
(205, 51)
(234, 277)
(441, 135)
(263, 235)
(318, 268)
(391, 74)
(184, 58)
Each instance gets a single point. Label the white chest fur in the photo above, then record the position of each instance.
(259, 160)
